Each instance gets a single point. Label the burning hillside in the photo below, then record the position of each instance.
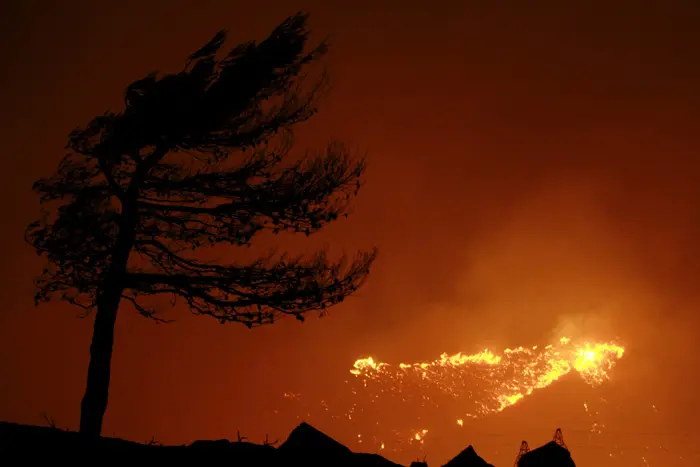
(490, 382)
(393, 406)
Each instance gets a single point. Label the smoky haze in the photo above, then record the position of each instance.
(533, 172)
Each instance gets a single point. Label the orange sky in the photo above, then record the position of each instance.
(532, 171)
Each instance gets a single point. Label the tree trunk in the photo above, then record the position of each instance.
(94, 403)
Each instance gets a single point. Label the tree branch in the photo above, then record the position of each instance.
(257, 293)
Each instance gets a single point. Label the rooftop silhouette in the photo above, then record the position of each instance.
(468, 458)
(551, 454)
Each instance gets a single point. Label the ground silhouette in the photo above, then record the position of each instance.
(305, 446)
(197, 159)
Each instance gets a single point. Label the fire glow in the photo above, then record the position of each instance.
(502, 380)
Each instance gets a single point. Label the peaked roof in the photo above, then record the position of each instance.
(468, 458)
(306, 438)
(310, 447)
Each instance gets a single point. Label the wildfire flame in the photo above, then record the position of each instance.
(503, 379)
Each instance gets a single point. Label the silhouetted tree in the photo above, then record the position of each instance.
(190, 163)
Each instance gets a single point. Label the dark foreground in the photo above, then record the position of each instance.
(305, 447)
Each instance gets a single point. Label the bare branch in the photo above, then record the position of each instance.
(50, 422)
(147, 312)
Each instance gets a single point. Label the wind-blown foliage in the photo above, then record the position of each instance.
(197, 159)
